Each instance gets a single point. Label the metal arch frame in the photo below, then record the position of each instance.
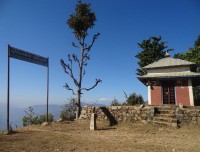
(33, 58)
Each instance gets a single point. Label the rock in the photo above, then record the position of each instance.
(113, 107)
(6, 132)
(144, 121)
(82, 117)
(83, 112)
(45, 123)
(119, 107)
(142, 106)
(59, 120)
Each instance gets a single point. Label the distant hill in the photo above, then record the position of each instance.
(16, 114)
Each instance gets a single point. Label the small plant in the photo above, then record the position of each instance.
(115, 102)
(30, 119)
(69, 110)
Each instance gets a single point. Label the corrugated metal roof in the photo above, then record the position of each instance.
(171, 75)
(168, 62)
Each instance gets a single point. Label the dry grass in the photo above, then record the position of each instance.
(125, 137)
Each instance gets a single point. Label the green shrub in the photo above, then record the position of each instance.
(133, 99)
(69, 111)
(30, 119)
(115, 102)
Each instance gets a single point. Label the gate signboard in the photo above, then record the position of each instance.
(28, 57)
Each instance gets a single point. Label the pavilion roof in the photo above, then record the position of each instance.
(168, 62)
(171, 75)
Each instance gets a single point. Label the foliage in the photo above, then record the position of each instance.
(31, 119)
(193, 55)
(69, 111)
(153, 49)
(80, 22)
(115, 102)
(133, 99)
(197, 42)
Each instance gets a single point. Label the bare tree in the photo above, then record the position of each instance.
(82, 20)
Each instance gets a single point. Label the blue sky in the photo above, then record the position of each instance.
(39, 26)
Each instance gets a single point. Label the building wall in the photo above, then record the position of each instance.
(156, 95)
(182, 93)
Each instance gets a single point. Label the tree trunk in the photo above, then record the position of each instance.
(78, 111)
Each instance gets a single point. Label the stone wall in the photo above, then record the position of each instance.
(115, 114)
(188, 115)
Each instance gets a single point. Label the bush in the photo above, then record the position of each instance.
(133, 99)
(30, 119)
(115, 102)
(69, 111)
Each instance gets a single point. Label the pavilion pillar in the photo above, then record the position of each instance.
(149, 95)
(190, 92)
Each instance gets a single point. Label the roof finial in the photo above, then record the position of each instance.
(167, 55)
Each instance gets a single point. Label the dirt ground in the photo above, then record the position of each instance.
(76, 136)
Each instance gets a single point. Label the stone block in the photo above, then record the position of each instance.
(114, 107)
(144, 121)
(194, 118)
(83, 111)
(119, 107)
(83, 117)
(93, 122)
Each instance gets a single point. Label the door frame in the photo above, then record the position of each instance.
(164, 81)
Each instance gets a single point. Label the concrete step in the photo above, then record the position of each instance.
(166, 124)
(165, 119)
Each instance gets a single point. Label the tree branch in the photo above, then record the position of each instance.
(74, 45)
(68, 69)
(68, 88)
(83, 73)
(85, 58)
(125, 95)
(96, 83)
(75, 58)
(93, 40)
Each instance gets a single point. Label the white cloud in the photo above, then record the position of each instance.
(103, 100)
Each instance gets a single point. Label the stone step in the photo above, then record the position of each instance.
(166, 124)
(165, 107)
(165, 119)
(166, 115)
(165, 111)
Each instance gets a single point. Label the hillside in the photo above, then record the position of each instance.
(16, 114)
(126, 137)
